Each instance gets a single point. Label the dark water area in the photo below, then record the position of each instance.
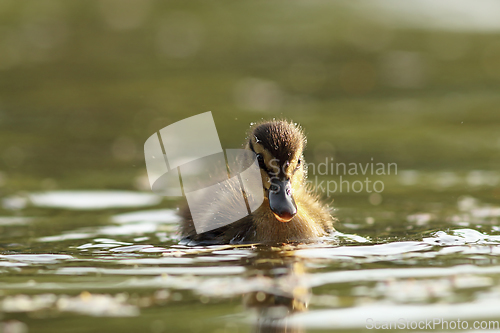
(86, 246)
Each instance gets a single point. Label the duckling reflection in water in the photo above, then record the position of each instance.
(291, 212)
(285, 296)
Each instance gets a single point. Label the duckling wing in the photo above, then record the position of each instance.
(217, 214)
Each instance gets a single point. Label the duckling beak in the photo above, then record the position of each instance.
(281, 201)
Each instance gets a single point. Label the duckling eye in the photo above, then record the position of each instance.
(260, 159)
(299, 162)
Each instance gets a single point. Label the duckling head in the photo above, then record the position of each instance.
(279, 148)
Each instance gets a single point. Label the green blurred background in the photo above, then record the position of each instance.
(84, 83)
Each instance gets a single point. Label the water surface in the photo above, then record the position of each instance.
(85, 246)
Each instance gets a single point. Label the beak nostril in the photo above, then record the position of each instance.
(274, 188)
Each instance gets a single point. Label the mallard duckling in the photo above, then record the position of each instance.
(290, 211)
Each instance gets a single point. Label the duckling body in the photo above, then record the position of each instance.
(290, 213)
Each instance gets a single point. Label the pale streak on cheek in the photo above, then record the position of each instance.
(266, 181)
(290, 170)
